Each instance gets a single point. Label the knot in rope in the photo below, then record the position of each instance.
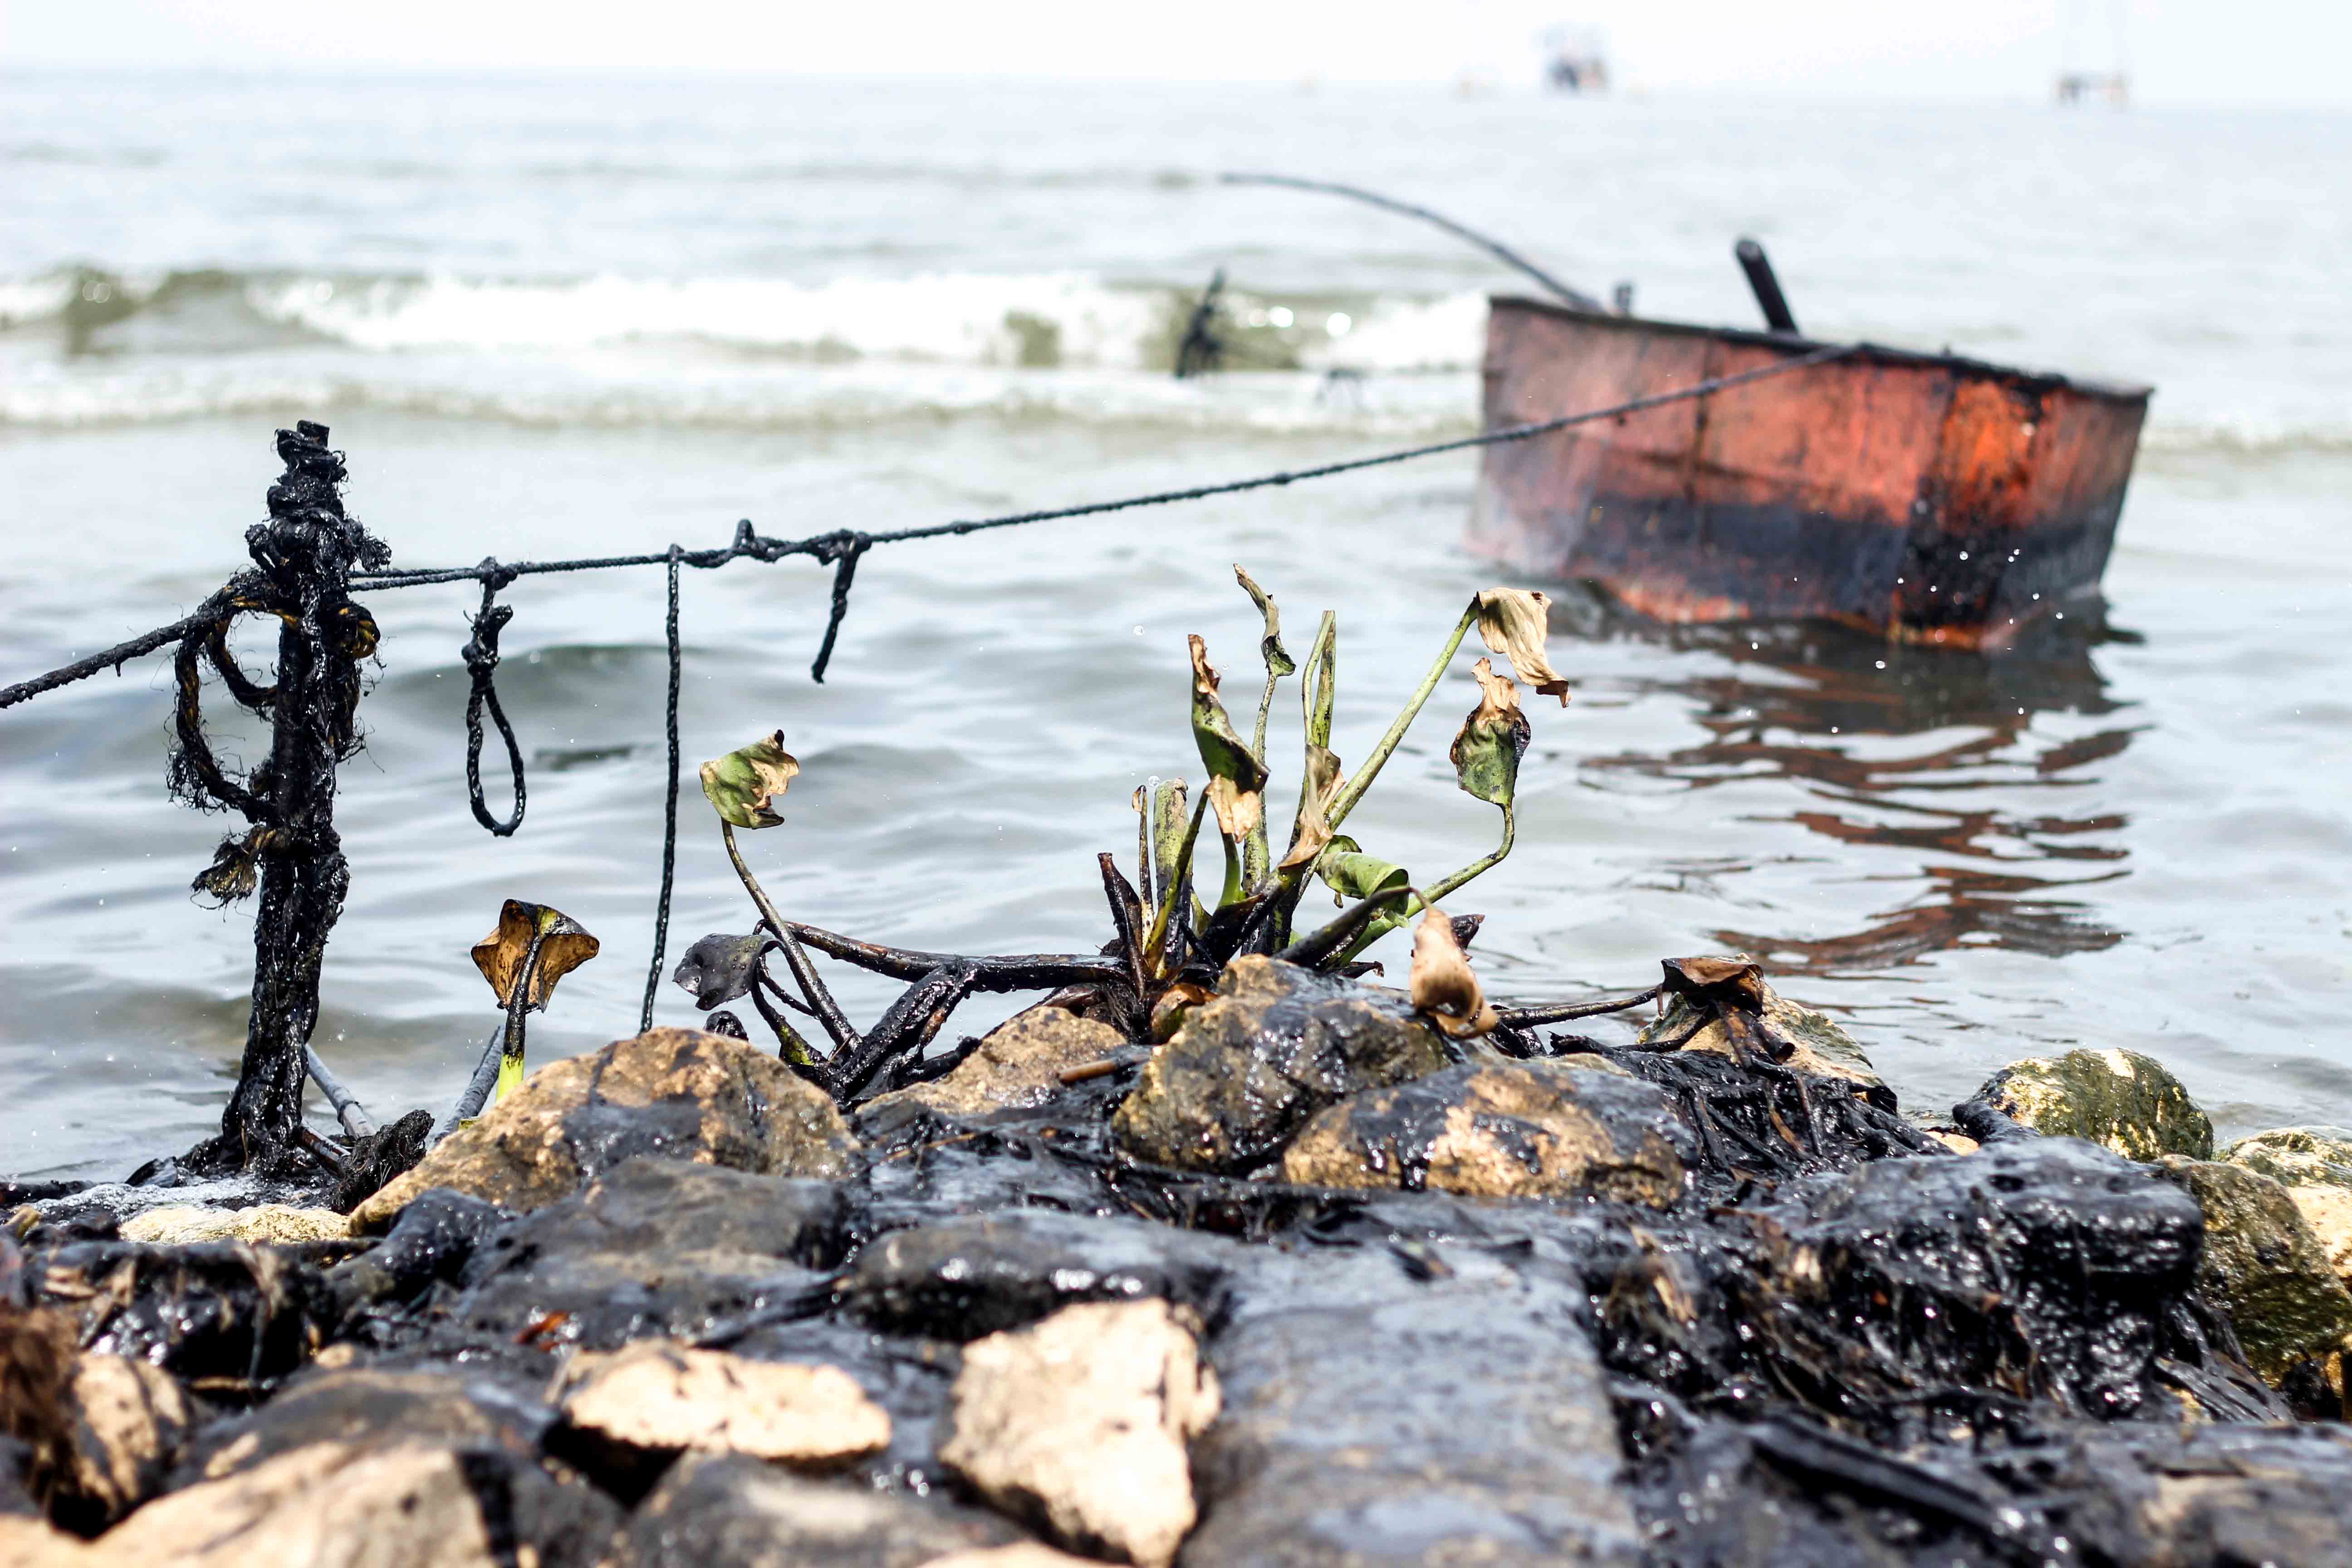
(481, 656)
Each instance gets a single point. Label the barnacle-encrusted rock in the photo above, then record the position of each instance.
(659, 1398)
(1821, 1048)
(2314, 1166)
(675, 1092)
(262, 1222)
(1277, 1044)
(1018, 1067)
(1498, 1128)
(2264, 1266)
(1079, 1424)
(2127, 1101)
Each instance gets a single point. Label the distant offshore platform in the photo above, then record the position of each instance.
(2077, 85)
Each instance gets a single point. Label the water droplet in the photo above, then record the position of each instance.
(1882, 664)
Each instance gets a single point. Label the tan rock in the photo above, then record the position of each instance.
(2264, 1266)
(1018, 1066)
(2314, 1166)
(28, 1543)
(1498, 1128)
(1080, 1425)
(1958, 1142)
(1821, 1048)
(262, 1222)
(664, 1396)
(1021, 1554)
(407, 1506)
(133, 1420)
(2129, 1103)
(675, 1092)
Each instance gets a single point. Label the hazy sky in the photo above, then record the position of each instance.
(2176, 49)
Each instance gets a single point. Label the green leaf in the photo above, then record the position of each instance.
(743, 785)
(1350, 873)
(1269, 647)
(1493, 739)
(1236, 778)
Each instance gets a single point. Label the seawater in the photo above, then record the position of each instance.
(551, 318)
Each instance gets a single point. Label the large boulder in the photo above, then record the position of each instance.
(2126, 1101)
(2314, 1166)
(1080, 1425)
(674, 1092)
(2266, 1267)
(1499, 1129)
(1018, 1067)
(1276, 1043)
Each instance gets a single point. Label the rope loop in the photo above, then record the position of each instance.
(481, 656)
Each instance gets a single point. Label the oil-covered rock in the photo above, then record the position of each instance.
(1274, 1045)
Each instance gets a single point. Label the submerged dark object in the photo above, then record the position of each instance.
(1929, 497)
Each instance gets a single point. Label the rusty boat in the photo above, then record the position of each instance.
(1930, 497)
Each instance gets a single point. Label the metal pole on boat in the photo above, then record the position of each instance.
(1766, 288)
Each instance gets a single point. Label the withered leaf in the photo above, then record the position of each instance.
(743, 785)
(566, 946)
(1443, 987)
(1515, 622)
(1493, 739)
(1236, 778)
(719, 969)
(1313, 829)
(1269, 647)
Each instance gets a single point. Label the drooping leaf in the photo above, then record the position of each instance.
(1236, 778)
(1443, 987)
(720, 968)
(1515, 622)
(1170, 809)
(1350, 873)
(743, 785)
(1493, 739)
(1269, 647)
(565, 946)
(1313, 829)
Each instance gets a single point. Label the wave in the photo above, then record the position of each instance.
(1047, 320)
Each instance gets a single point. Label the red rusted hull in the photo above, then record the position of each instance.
(1933, 499)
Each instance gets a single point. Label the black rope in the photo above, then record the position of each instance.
(481, 656)
(670, 816)
(844, 568)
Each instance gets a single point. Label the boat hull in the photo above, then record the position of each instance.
(1929, 498)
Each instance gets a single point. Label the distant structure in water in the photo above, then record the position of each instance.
(2077, 84)
(1575, 61)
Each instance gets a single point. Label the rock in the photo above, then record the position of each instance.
(1498, 1128)
(356, 1407)
(2129, 1103)
(634, 1410)
(401, 1505)
(1080, 1425)
(431, 1241)
(1276, 1045)
(1018, 1066)
(262, 1222)
(2207, 1496)
(675, 1092)
(969, 1278)
(729, 1511)
(132, 1419)
(1024, 1554)
(1379, 1413)
(653, 1247)
(2264, 1266)
(2046, 1266)
(379, 1157)
(1821, 1046)
(2314, 1166)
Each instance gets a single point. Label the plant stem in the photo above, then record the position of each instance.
(1176, 884)
(1353, 790)
(1232, 891)
(518, 1004)
(1436, 890)
(828, 1011)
